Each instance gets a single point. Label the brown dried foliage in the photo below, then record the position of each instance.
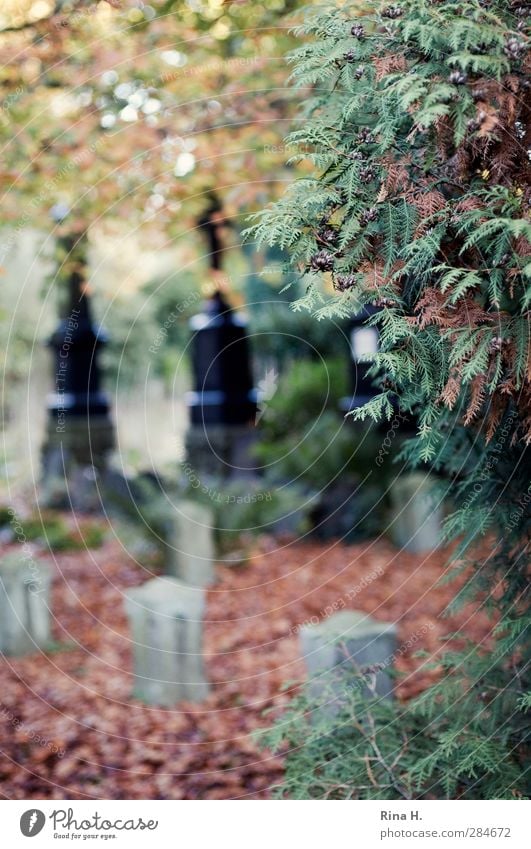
(389, 64)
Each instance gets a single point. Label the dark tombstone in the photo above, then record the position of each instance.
(80, 432)
(353, 505)
(222, 404)
(363, 339)
(223, 387)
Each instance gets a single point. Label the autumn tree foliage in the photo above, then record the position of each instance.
(133, 114)
(418, 131)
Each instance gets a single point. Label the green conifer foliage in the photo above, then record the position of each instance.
(416, 119)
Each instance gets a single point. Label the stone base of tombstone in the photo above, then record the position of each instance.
(416, 516)
(166, 620)
(74, 456)
(190, 546)
(24, 604)
(337, 648)
(221, 451)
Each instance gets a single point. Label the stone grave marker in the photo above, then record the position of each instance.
(337, 647)
(166, 620)
(190, 550)
(416, 516)
(24, 604)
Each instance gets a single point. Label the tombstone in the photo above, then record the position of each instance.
(166, 620)
(337, 648)
(190, 549)
(416, 513)
(222, 405)
(79, 432)
(24, 604)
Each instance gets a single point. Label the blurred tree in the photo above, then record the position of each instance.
(137, 113)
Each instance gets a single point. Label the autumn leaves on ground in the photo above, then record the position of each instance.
(68, 725)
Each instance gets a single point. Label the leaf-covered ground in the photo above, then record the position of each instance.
(69, 729)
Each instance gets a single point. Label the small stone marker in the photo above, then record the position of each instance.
(24, 604)
(335, 649)
(166, 619)
(416, 515)
(191, 545)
